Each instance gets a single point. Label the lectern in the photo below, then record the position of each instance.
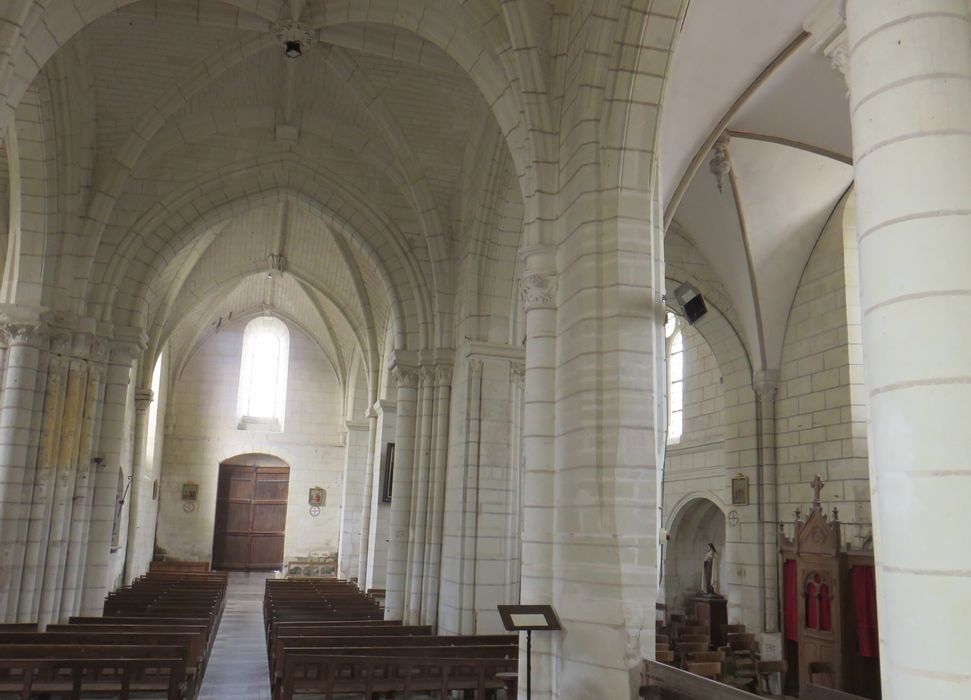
(527, 618)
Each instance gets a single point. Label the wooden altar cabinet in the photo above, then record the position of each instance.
(825, 624)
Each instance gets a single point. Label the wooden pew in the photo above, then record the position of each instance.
(326, 676)
(484, 646)
(190, 644)
(92, 670)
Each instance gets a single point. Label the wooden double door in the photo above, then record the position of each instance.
(251, 517)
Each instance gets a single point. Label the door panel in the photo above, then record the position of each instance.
(251, 517)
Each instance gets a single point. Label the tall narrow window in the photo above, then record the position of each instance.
(263, 375)
(675, 340)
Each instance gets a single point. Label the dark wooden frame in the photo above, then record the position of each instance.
(506, 612)
(740, 490)
(387, 473)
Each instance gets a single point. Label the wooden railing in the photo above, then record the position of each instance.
(818, 692)
(672, 683)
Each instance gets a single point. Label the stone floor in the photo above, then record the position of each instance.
(237, 668)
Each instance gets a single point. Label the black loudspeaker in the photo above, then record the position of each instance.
(691, 302)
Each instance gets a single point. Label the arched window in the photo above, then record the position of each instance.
(261, 404)
(675, 343)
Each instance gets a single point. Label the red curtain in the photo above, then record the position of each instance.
(825, 609)
(865, 603)
(790, 600)
(812, 606)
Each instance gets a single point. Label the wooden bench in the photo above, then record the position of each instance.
(486, 646)
(92, 670)
(325, 676)
(190, 644)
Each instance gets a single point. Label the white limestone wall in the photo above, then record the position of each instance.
(821, 406)
(695, 465)
(202, 432)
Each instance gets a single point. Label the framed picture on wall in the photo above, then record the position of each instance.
(740, 490)
(387, 476)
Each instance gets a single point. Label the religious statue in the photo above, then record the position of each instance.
(709, 571)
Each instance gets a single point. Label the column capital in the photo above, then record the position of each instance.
(143, 399)
(766, 383)
(23, 325)
(538, 291)
(827, 26)
(405, 376)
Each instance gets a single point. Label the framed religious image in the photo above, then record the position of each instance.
(190, 491)
(740, 490)
(387, 476)
(317, 495)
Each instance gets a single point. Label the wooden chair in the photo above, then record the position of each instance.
(694, 638)
(763, 669)
(820, 668)
(702, 656)
(665, 656)
(706, 669)
(732, 629)
(662, 639)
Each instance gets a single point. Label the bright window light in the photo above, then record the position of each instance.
(263, 375)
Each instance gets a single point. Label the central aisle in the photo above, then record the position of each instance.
(237, 667)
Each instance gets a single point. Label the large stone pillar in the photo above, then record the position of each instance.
(380, 511)
(17, 400)
(435, 511)
(136, 562)
(364, 542)
(539, 285)
(406, 378)
(352, 497)
(110, 456)
(910, 102)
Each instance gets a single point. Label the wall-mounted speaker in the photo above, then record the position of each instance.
(691, 302)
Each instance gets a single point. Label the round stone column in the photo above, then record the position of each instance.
(910, 88)
(538, 290)
(406, 378)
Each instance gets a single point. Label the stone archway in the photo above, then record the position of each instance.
(697, 522)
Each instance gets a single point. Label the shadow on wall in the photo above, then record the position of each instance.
(699, 522)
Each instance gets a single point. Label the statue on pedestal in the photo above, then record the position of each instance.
(709, 571)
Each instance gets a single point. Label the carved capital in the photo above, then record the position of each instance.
(143, 399)
(475, 368)
(538, 291)
(61, 342)
(405, 376)
(766, 383)
(827, 25)
(517, 370)
(443, 375)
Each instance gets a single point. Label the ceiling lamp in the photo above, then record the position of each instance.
(295, 37)
(292, 49)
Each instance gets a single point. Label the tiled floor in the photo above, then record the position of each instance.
(237, 668)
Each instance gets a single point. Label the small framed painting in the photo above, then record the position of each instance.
(190, 491)
(387, 478)
(740, 490)
(317, 496)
